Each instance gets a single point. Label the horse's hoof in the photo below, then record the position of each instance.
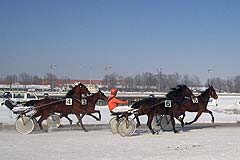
(153, 133)
(176, 132)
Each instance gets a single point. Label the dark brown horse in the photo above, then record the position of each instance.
(152, 106)
(76, 108)
(77, 91)
(199, 107)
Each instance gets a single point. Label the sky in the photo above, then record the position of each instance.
(83, 37)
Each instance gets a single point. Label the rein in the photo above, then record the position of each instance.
(154, 105)
(79, 100)
(50, 103)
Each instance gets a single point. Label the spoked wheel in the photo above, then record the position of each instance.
(24, 125)
(114, 124)
(156, 126)
(126, 127)
(35, 122)
(53, 121)
(166, 123)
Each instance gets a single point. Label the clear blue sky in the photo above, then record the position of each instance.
(82, 37)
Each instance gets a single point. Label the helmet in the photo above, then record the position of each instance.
(114, 91)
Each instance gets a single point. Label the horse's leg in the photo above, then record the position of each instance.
(70, 121)
(80, 121)
(66, 116)
(177, 112)
(40, 122)
(173, 123)
(149, 122)
(210, 112)
(99, 115)
(95, 117)
(195, 119)
(181, 119)
(137, 119)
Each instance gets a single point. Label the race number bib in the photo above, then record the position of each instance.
(84, 102)
(168, 104)
(68, 101)
(195, 100)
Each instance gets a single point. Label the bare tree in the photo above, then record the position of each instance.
(37, 80)
(51, 78)
(236, 83)
(25, 79)
(10, 79)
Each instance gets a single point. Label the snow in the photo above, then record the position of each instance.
(196, 142)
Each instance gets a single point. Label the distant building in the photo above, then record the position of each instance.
(92, 85)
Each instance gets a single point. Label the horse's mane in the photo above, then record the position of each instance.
(70, 92)
(176, 92)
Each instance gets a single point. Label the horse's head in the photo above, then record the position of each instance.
(186, 91)
(83, 89)
(78, 90)
(101, 95)
(212, 92)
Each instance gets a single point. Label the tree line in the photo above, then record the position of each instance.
(146, 81)
(27, 79)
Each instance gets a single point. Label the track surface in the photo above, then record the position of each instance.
(199, 141)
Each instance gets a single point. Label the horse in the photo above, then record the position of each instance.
(77, 91)
(200, 107)
(152, 106)
(76, 108)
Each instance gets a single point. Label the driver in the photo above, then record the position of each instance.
(113, 102)
(12, 105)
(8, 102)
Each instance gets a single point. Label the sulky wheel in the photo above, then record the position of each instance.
(24, 125)
(53, 121)
(126, 127)
(114, 124)
(156, 126)
(166, 123)
(35, 122)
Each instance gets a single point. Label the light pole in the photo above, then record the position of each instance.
(107, 68)
(210, 71)
(52, 66)
(159, 72)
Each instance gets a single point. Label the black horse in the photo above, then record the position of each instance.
(152, 106)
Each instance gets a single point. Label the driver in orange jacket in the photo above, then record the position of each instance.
(113, 102)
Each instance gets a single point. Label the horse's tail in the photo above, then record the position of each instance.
(137, 104)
